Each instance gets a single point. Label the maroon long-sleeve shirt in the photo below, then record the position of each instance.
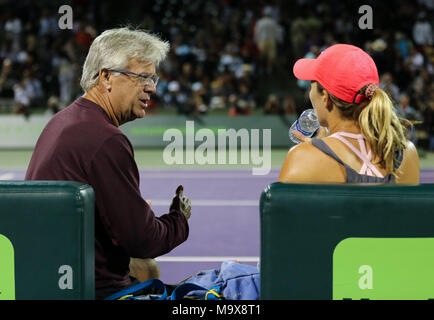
(81, 143)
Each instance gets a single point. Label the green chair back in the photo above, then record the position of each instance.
(46, 240)
(347, 241)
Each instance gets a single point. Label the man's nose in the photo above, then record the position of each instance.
(150, 87)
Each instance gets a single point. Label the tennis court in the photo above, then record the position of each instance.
(225, 206)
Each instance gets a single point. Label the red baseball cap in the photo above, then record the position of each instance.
(341, 69)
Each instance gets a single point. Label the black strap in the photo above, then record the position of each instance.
(320, 144)
(399, 155)
(326, 149)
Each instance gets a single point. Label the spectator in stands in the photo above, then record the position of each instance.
(33, 87)
(85, 35)
(218, 98)
(312, 54)
(242, 102)
(180, 97)
(13, 28)
(289, 106)
(386, 83)
(7, 79)
(273, 105)
(230, 60)
(377, 49)
(47, 23)
(429, 124)
(22, 98)
(53, 105)
(405, 110)
(267, 35)
(419, 89)
(8, 51)
(298, 36)
(65, 78)
(422, 30)
(201, 92)
(415, 60)
(402, 44)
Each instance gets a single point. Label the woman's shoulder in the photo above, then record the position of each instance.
(409, 170)
(306, 163)
(305, 150)
(410, 148)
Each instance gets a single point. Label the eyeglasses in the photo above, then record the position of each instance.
(142, 79)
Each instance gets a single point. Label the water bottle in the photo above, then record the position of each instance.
(306, 124)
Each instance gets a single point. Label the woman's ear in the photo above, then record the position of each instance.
(327, 101)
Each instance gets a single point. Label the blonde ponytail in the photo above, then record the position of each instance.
(383, 130)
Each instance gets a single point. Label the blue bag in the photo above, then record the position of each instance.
(233, 281)
(136, 292)
(189, 290)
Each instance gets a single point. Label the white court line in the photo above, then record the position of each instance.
(211, 203)
(205, 176)
(7, 176)
(205, 259)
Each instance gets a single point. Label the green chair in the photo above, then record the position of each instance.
(46, 240)
(347, 241)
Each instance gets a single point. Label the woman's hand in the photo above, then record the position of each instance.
(322, 132)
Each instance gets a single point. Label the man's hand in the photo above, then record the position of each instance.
(323, 132)
(181, 203)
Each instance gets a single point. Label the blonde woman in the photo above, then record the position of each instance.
(367, 142)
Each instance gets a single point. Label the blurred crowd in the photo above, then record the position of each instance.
(40, 63)
(223, 53)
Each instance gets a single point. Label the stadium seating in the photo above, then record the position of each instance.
(46, 240)
(347, 242)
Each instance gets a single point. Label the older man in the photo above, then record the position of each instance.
(83, 143)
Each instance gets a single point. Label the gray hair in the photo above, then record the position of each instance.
(114, 48)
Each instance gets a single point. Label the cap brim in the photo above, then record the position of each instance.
(305, 69)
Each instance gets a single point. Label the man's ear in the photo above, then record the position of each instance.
(105, 79)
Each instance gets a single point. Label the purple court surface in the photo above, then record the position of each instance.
(224, 223)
